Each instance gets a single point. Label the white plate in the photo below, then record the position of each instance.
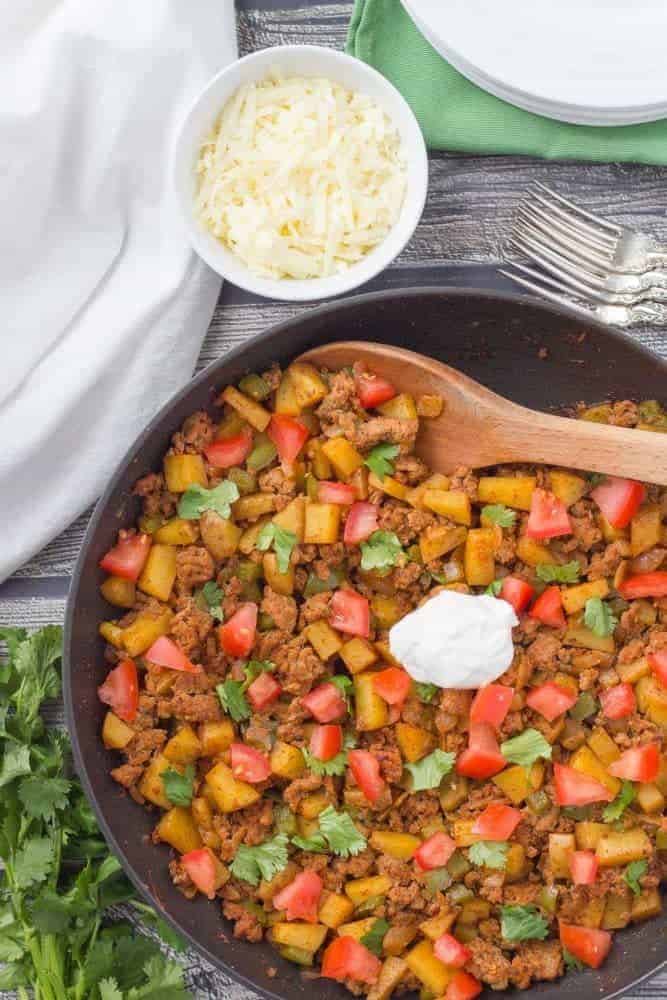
(597, 62)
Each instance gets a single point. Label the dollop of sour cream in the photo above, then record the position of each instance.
(456, 640)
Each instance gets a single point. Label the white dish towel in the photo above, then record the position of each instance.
(103, 306)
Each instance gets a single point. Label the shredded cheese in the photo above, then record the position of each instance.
(300, 177)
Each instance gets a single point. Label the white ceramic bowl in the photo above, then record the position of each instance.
(299, 60)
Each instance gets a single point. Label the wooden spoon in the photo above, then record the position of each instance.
(478, 428)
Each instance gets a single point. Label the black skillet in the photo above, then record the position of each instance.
(534, 354)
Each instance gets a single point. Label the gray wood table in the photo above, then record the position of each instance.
(458, 242)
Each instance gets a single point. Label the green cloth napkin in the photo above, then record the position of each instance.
(457, 115)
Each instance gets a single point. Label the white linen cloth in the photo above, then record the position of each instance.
(103, 305)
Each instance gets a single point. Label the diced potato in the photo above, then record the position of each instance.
(151, 786)
(119, 592)
(344, 457)
(567, 487)
(177, 531)
(622, 847)
(652, 699)
(479, 557)
(320, 464)
(309, 937)
(427, 967)
(577, 634)
(632, 672)
(648, 905)
(645, 529)
(474, 910)
(616, 911)
(650, 798)
(401, 407)
(145, 629)
(159, 572)
(322, 523)
(561, 847)
(385, 654)
(585, 761)
(286, 401)
(452, 504)
(513, 491)
(178, 828)
(437, 481)
(429, 405)
(396, 845)
(252, 412)
(281, 583)
(286, 760)
(202, 812)
(392, 972)
(184, 747)
(574, 598)
(250, 507)
(591, 911)
(229, 793)
(517, 782)
(386, 610)
(388, 485)
(335, 910)
(413, 741)
(358, 654)
(293, 517)
(603, 746)
(181, 471)
(323, 639)
(220, 536)
(438, 539)
(116, 734)
(359, 483)
(534, 553)
(588, 834)
(462, 832)
(609, 532)
(311, 806)
(111, 633)
(356, 928)
(309, 387)
(248, 540)
(371, 710)
(435, 927)
(216, 737)
(516, 864)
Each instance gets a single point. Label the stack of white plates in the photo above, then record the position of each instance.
(592, 62)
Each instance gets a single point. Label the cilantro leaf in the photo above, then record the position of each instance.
(109, 990)
(33, 862)
(344, 685)
(179, 788)
(256, 667)
(571, 962)
(617, 807)
(598, 617)
(632, 874)
(430, 770)
(426, 692)
(568, 573)
(342, 835)
(522, 923)
(283, 542)
(209, 599)
(336, 765)
(489, 853)
(164, 981)
(494, 588)
(499, 514)
(15, 763)
(252, 864)
(381, 551)
(197, 499)
(233, 700)
(316, 844)
(526, 748)
(41, 797)
(379, 460)
(373, 938)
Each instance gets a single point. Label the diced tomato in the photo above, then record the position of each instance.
(325, 703)
(227, 452)
(128, 555)
(350, 612)
(550, 700)
(496, 822)
(619, 701)
(589, 945)
(644, 585)
(658, 664)
(339, 493)
(483, 758)
(548, 516)
(637, 764)
(365, 768)
(289, 436)
(300, 898)
(326, 741)
(517, 592)
(435, 852)
(372, 390)
(238, 634)
(263, 691)
(203, 870)
(361, 522)
(548, 608)
(392, 684)
(618, 499)
(121, 690)
(576, 789)
(450, 951)
(165, 653)
(491, 704)
(346, 958)
(463, 986)
(584, 867)
(249, 764)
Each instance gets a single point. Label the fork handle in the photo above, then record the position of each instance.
(656, 259)
(643, 314)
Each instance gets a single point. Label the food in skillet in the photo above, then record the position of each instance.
(388, 833)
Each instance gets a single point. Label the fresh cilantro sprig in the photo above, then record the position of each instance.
(232, 693)
(283, 542)
(599, 617)
(571, 962)
(430, 770)
(426, 692)
(374, 937)
(209, 599)
(633, 873)
(526, 748)
(252, 864)
(316, 844)
(342, 836)
(197, 499)
(380, 459)
(499, 514)
(344, 684)
(179, 788)
(494, 588)
(489, 853)
(522, 923)
(617, 807)
(382, 551)
(567, 573)
(335, 766)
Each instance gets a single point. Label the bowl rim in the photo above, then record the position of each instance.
(101, 510)
(227, 264)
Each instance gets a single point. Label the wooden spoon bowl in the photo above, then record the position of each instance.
(478, 428)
